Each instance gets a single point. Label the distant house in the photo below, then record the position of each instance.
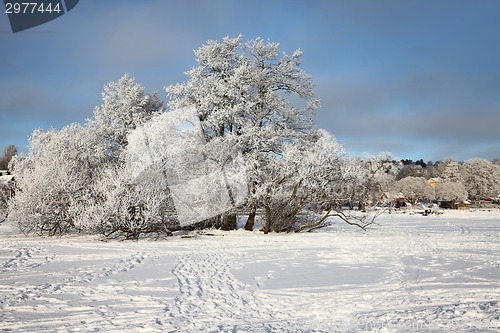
(433, 181)
(392, 199)
(399, 200)
(384, 197)
(464, 205)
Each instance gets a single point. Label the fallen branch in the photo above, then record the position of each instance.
(360, 224)
(314, 225)
(358, 221)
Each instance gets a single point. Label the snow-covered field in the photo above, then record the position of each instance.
(408, 273)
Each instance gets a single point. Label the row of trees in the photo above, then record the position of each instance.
(83, 177)
(475, 179)
(430, 169)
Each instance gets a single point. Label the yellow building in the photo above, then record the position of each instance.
(433, 181)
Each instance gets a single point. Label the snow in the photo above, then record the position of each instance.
(407, 273)
(5, 179)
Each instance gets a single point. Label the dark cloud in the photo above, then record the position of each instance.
(459, 113)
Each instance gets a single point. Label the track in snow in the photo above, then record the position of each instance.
(211, 299)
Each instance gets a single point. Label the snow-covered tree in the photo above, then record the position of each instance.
(451, 171)
(243, 92)
(379, 174)
(481, 178)
(239, 87)
(125, 106)
(308, 174)
(452, 192)
(325, 180)
(8, 152)
(414, 189)
(58, 182)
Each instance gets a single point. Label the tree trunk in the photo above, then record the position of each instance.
(251, 217)
(267, 225)
(452, 204)
(229, 218)
(362, 206)
(229, 222)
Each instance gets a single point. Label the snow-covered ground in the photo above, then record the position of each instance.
(408, 273)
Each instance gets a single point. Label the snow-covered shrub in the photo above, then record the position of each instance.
(135, 206)
(54, 183)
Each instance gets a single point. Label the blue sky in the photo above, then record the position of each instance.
(420, 79)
